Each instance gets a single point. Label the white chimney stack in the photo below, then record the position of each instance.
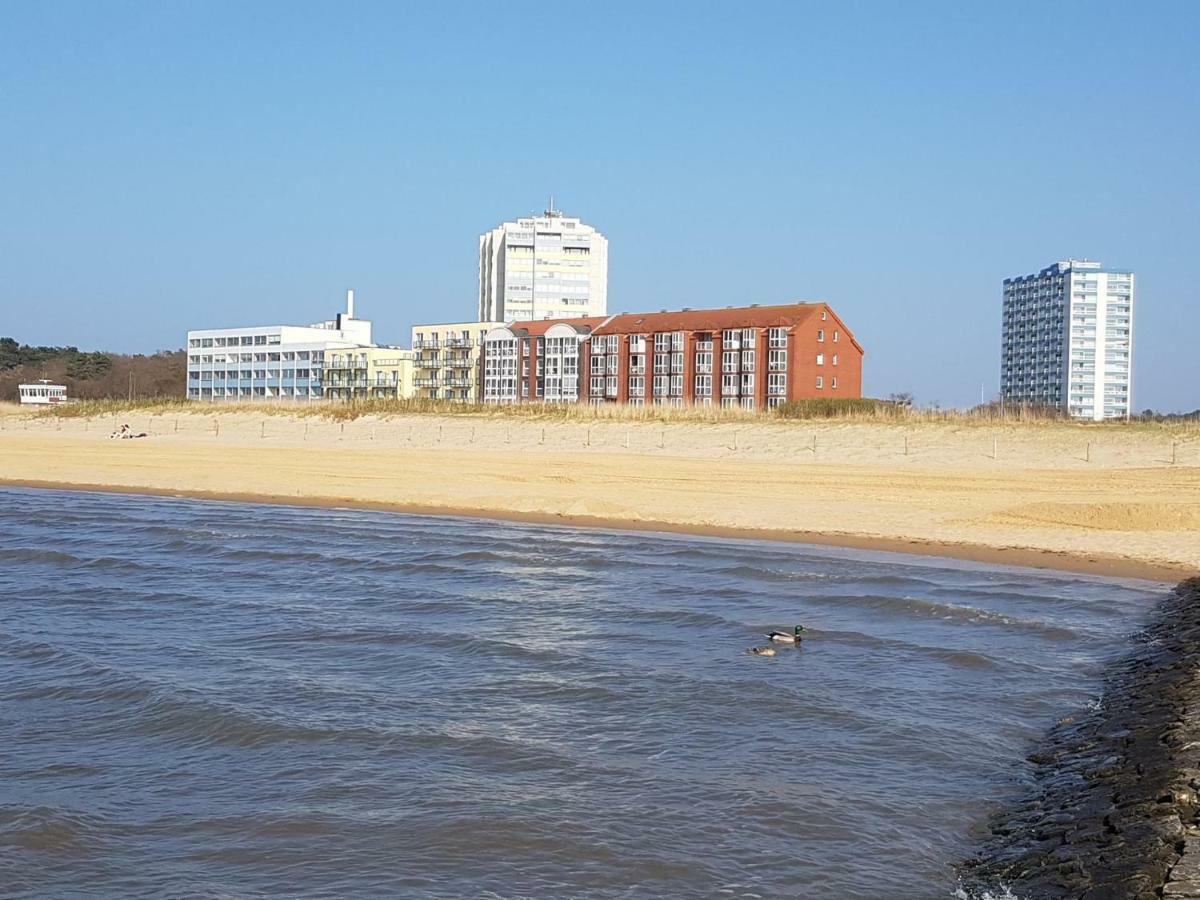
(349, 304)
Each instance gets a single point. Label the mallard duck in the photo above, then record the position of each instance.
(782, 637)
(762, 651)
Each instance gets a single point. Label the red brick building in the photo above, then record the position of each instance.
(753, 357)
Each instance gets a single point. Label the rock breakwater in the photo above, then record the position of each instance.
(1113, 814)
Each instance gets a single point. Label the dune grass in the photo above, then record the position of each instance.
(863, 410)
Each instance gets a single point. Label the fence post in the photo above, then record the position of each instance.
(1087, 454)
(906, 445)
(1173, 446)
(263, 431)
(216, 427)
(543, 440)
(994, 442)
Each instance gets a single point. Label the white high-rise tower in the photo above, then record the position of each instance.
(1068, 340)
(546, 267)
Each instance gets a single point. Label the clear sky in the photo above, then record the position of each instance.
(166, 166)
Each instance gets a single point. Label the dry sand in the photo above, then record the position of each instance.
(1120, 501)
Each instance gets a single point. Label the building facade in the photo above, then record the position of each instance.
(270, 362)
(446, 360)
(544, 267)
(1068, 340)
(750, 357)
(369, 373)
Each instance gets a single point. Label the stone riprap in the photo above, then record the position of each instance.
(1113, 812)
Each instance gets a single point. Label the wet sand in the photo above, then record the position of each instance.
(1111, 502)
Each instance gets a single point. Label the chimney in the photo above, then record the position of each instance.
(349, 304)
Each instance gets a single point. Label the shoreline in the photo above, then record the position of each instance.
(1097, 564)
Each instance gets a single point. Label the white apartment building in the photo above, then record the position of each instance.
(545, 267)
(1068, 340)
(270, 362)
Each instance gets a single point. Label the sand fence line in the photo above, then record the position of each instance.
(825, 441)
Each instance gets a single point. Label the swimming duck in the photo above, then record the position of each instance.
(762, 651)
(782, 637)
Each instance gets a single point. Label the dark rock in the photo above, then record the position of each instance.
(1117, 789)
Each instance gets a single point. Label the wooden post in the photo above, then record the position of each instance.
(906, 445)
(306, 431)
(177, 424)
(1173, 446)
(543, 440)
(588, 442)
(1087, 454)
(263, 432)
(994, 443)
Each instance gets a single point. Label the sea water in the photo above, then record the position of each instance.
(224, 700)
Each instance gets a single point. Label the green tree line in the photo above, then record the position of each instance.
(92, 375)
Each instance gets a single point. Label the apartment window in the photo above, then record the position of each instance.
(835, 337)
(776, 360)
(729, 361)
(677, 385)
(611, 362)
(637, 343)
(704, 362)
(820, 359)
(731, 339)
(676, 363)
(824, 315)
(777, 338)
(662, 343)
(637, 364)
(661, 383)
(637, 386)
(610, 386)
(748, 337)
(662, 363)
(833, 382)
(820, 382)
(820, 335)
(677, 340)
(260, 339)
(835, 359)
(777, 383)
(747, 360)
(703, 385)
(747, 383)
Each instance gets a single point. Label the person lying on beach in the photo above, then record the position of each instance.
(125, 432)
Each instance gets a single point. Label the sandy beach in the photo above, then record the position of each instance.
(1116, 501)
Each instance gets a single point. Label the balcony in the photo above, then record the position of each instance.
(426, 382)
(457, 342)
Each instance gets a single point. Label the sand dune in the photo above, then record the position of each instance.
(1105, 500)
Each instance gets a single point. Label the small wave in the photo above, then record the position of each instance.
(967, 659)
(44, 829)
(763, 573)
(950, 612)
(23, 554)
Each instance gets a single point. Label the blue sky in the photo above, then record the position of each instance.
(175, 165)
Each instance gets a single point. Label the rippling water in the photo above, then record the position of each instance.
(224, 700)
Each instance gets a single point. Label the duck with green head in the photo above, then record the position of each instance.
(782, 637)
